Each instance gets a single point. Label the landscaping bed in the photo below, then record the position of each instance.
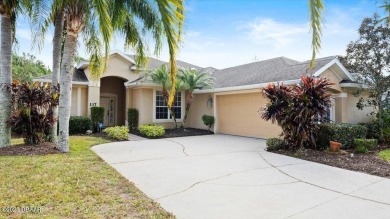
(179, 132)
(28, 150)
(369, 163)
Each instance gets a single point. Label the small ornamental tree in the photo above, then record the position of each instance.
(32, 109)
(370, 56)
(296, 109)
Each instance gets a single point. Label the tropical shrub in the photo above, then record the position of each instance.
(343, 133)
(372, 129)
(132, 118)
(296, 107)
(79, 124)
(274, 144)
(97, 116)
(31, 111)
(363, 145)
(208, 121)
(152, 130)
(117, 132)
(386, 135)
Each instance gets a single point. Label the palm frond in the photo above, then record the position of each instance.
(172, 17)
(316, 15)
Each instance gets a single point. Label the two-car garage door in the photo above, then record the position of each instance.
(238, 114)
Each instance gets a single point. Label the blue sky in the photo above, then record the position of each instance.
(225, 33)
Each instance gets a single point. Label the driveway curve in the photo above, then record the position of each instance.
(223, 176)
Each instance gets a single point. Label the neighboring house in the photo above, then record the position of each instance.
(234, 101)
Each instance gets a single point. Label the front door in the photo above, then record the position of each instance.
(109, 110)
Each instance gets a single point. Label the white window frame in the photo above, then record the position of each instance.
(168, 120)
(332, 110)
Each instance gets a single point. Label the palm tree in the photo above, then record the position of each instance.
(9, 10)
(161, 76)
(42, 17)
(193, 79)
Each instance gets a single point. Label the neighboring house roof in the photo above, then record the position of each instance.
(78, 77)
(276, 69)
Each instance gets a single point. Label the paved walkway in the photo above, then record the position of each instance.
(222, 176)
(133, 137)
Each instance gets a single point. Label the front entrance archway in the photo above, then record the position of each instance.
(113, 99)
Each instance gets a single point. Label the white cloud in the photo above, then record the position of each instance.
(267, 30)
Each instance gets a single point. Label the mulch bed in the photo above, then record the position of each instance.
(28, 150)
(369, 163)
(179, 132)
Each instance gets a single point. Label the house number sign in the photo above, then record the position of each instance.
(92, 104)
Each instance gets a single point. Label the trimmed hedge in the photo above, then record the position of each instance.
(79, 124)
(97, 116)
(152, 130)
(372, 129)
(132, 118)
(274, 144)
(344, 133)
(365, 145)
(117, 132)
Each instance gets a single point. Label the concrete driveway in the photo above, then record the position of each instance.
(222, 176)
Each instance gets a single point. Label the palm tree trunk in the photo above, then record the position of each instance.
(67, 69)
(189, 100)
(57, 45)
(5, 79)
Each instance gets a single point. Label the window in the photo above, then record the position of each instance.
(162, 111)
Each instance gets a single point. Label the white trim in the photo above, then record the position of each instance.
(245, 87)
(333, 110)
(138, 84)
(73, 82)
(168, 120)
(341, 95)
(352, 85)
(335, 61)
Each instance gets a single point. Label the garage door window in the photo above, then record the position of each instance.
(162, 112)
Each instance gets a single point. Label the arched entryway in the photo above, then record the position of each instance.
(113, 99)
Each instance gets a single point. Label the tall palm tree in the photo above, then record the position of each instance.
(42, 16)
(193, 79)
(9, 10)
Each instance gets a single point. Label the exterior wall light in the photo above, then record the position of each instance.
(210, 102)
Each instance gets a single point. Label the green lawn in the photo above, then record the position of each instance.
(385, 154)
(74, 185)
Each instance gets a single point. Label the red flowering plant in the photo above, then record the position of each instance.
(32, 109)
(297, 109)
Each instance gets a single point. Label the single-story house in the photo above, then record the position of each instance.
(234, 101)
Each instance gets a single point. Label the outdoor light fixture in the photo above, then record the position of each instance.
(210, 102)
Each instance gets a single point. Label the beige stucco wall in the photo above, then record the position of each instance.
(115, 86)
(119, 67)
(355, 115)
(198, 109)
(79, 100)
(93, 97)
(328, 74)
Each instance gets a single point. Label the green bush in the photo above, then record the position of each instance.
(117, 132)
(324, 134)
(97, 116)
(386, 135)
(152, 130)
(208, 121)
(79, 124)
(132, 118)
(361, 149)
(372, 129)
(343, 133)
(274, 144)
(368, 144)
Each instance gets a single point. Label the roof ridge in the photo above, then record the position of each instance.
(246, 64)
